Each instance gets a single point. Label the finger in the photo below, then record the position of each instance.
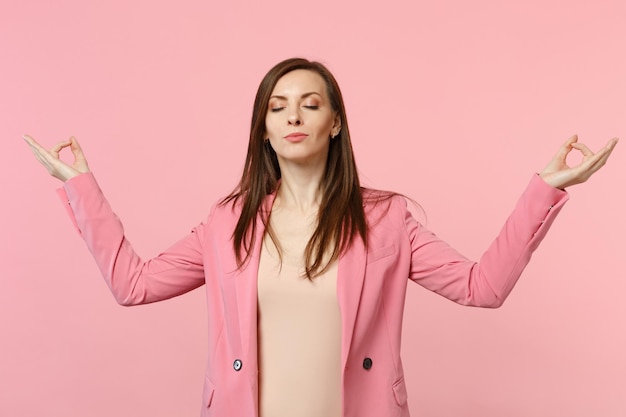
(611, 143)
(54, 151)
(572, 139)
(32, 142)
(568, 143)
(566, 148)
(588, 167)
(74, 143)
(604, 154)
(45, 162)
(47, 158)
(42, 153)
(609, 147)
(57, 147)
(38, 155)
(76, 149)
(592, 168)
(587, 152)
(583, 148)
(591, 159)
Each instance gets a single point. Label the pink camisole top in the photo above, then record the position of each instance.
(299, 331)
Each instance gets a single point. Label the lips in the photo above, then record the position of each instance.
(296, 137)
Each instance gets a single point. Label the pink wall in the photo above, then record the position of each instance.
(469, 98)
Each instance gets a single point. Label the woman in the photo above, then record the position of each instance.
(306, 271)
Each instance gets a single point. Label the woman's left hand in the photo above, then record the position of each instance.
(560, 175)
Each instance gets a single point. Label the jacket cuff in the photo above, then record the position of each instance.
(73, 188)
(543, 197)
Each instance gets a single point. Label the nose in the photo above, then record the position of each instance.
(294, 117)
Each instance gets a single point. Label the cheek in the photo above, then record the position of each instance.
(274, 121)
(327, 126)
(268, 126)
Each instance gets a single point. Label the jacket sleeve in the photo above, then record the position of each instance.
(487, 283)
(132, 280)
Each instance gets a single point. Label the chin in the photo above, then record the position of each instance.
(302, 158)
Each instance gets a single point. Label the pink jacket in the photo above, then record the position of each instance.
(371, 286)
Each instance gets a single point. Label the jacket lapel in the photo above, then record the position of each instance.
(350, 278)
(246, 290)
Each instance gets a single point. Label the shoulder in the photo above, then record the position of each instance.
(376, 200)
(220, 221)
(225, 208)
(230, 207)
(387, 215)
(382, 205)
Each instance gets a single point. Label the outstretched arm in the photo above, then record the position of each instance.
(131, 279)
(487, 283)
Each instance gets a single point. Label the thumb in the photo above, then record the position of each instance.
(564, 150)
(77, 151)
(567, 146)
(80, 162)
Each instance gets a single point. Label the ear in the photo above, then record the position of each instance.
(336, 125)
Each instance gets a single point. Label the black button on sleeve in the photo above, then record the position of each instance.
(367, 363)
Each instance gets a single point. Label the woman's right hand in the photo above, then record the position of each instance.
(50, 158)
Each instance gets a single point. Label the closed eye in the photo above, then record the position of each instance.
(277, 109)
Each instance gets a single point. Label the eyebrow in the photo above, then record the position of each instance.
(305, 95)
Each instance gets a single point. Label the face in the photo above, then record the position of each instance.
(300, 119)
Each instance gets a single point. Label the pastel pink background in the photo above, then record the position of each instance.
(455, 103)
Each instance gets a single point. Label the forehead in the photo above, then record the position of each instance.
(299, 82)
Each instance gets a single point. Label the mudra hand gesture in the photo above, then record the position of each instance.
(557, 173)
(50, 158)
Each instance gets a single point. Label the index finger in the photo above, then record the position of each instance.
(583, 148)
(54, 151)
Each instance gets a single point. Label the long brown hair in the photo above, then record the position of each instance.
(340, 216)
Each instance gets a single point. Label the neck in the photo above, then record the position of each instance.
(300, 188)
